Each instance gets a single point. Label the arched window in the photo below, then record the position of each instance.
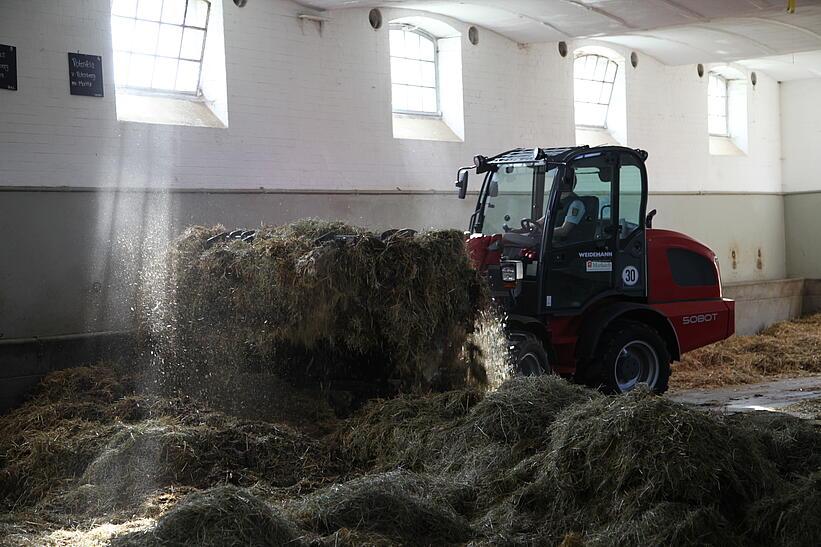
(718, 106)
(159, 44)
(414, 71)
(594, 77)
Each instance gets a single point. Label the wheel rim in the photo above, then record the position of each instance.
(637, 363)
(529, 364)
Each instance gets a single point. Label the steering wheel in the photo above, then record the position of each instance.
(530, 225)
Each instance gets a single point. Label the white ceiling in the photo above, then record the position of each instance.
(760, 32)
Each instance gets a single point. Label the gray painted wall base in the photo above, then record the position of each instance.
(759, 305)
(72, 257)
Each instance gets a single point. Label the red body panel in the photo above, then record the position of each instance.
(661, 287)
(698, 315)
(477, 246)
(699, 323)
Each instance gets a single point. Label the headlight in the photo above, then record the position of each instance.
(512, 271)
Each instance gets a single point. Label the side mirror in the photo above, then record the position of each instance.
(462, 183)
(648, 222)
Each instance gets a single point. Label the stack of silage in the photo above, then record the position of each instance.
(310, 305)
(537, 462)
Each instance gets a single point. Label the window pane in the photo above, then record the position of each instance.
(169, 42)
(426, 49)
(589, 67)
(578, 66)
(588, 91)
(601, 69)
(141, 71)
(188, 75)
(412, 45)
(173, 11)
(197, 13)
(400, 97)
(149, 9)
(121, 62)
(611, 72)
(415, 99)
(606, 93)
(397, 43)
(122, 33)
(403, 71)
(145, 37)
(591, 114)
(192, 44)
(165, 73)
(127, 8)
(429, 100)
(717, 125)
(428, 74)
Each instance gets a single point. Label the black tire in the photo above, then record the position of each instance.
(528, 356)
(630, 354)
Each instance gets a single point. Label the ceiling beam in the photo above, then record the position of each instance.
(763, 47)
(684, 10)
(599, 11)
(784, 24)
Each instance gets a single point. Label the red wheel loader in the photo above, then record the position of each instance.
(590, 290)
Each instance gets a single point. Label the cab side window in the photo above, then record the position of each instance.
(630, 194)
(584, 203)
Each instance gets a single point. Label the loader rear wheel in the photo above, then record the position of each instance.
(528, 355)
(632, 354)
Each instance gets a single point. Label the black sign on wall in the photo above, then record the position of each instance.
(85, 74)
(8, 67)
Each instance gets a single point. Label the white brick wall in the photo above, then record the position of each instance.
(667, 115)
(305, 111)
(313, 111)
(801, 126)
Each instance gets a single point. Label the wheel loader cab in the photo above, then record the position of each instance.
(602, 251)
(569, 227)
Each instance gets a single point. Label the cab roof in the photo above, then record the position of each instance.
(557, 155)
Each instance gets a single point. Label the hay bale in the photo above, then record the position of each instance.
(47, 460)
(141, 458)
(404, 431)
(397, 307)
(666, 525)
(621, 456)
(792, 444)
(522, 408)
(221, 516)
(400, 505)
(790, 518)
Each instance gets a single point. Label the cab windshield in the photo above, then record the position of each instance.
(509, 197)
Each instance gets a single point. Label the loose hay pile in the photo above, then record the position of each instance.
(788, 348)
(538, 462)
(311, 306)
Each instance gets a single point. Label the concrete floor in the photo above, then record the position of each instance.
(774, 395)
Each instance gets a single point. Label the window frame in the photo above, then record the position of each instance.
(435, 41)
(154, 92)
(725, 83)
(601, 82)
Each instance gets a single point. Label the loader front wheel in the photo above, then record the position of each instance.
(632, 354)
(528, 356)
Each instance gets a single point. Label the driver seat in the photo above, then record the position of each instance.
(587, 228)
